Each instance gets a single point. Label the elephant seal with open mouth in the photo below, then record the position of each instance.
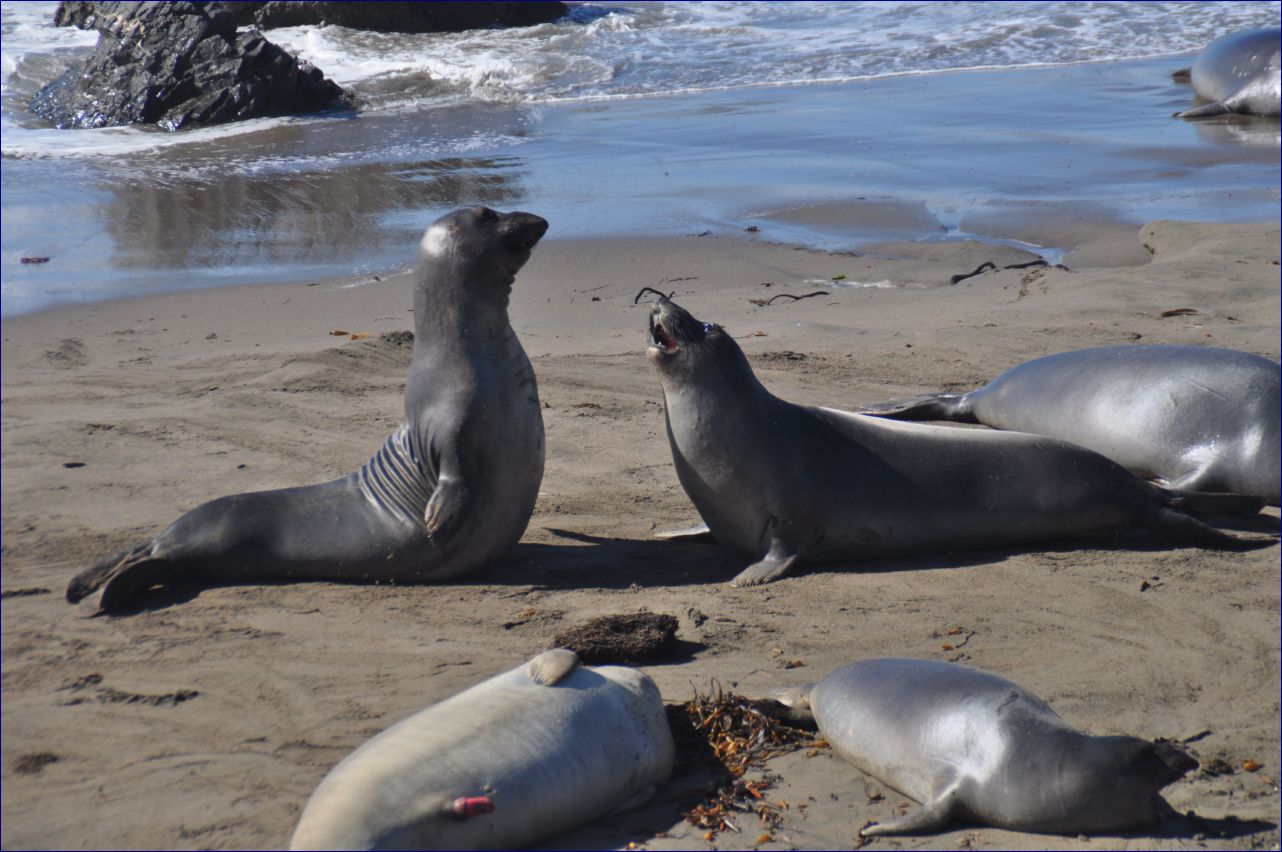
(782, 484)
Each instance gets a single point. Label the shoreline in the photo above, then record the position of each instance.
(118, 416)
(833, 166)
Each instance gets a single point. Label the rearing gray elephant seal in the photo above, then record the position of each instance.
(782, 483)
(1193, 417)
(523, 756)
(1239, 72)
(972, 746)
(450, 490)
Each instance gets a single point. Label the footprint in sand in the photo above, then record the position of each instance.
(69, 354)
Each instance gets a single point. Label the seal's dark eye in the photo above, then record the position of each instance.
(709, 327)
(488, 215)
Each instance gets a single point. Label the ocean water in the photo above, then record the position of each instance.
(638, 118)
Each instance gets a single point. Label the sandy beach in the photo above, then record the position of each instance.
(205, 718)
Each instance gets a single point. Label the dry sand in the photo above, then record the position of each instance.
(206, 719)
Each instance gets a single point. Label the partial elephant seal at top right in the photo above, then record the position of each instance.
(1194, 418)
(1239, 72)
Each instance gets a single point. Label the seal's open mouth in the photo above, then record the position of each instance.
(660, 337)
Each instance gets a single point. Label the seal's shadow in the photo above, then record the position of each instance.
(1192, 826)
(601, 562)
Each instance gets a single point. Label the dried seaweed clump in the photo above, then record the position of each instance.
(728, 731)
(628, 638)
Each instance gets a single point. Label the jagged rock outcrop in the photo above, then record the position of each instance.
(177, 65)
(389, 17)
(407, 17)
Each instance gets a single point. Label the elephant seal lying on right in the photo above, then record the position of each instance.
(973, 746)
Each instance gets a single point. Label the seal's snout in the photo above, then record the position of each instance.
(672, 328)
(524, 230)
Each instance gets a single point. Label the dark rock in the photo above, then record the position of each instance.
(388, 17)
(177, 65)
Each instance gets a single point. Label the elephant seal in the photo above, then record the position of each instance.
(518, 758)
(449, 491)
(969, 745)
(782, 483)
(1192, 417)
(1239, 72)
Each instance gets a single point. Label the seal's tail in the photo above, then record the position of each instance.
(933, 406)
(109, 583)
(1186, 528)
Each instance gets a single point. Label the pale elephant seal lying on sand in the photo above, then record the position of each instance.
(969, 745)
(452, 489)
(782, 483)
(1195, 418)
(1239, 72)
(523, 756)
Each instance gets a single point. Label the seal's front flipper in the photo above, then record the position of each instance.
(698, 532)
(932, 816)
(778, 560)
(446, 510)
(932, 406)
(552, 667)
(1204, 110)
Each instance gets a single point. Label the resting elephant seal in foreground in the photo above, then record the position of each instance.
(782, 483)
(1195, 418)
(523, 756)
(451, 489)
(969, 745)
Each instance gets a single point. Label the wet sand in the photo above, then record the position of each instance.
(206, 718)
(1042, 155)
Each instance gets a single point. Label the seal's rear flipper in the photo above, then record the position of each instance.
(1188, 529)
(114, 582)
(932, 816)
(552, 667)
(698, 532)
(1204, 110)
(1184, 75)
(789, 705)
(933, 406)
(1213, 503)
(89, 580)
